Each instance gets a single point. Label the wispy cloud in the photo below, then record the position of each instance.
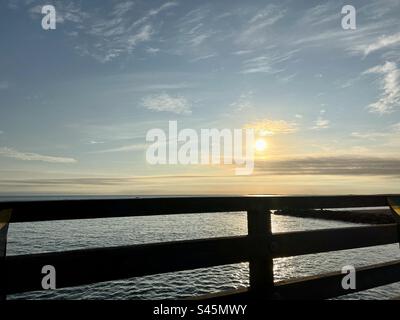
(321, 122)
(268, 127)
(108, 34)
(163, 7)
(379, 43)
(390, 84)
(365, 39)
(369, 135)
(29, 156)
(243, 103)
(376, 10)
(126, 148)
(269, 15)
(270, 63)
(320, 14)
(143, 34)
(122, 8)
(255, 32)
(95, 142)
(259, 64)
(111, 41)
(205, 57)
(164, 86)
(167, 103)
(396, 127)
(151, 50)
(194, 32)
(286, 78)
(391, 131)
(242, 52)
(343, 84)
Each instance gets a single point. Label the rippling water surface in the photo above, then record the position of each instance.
(66, 235)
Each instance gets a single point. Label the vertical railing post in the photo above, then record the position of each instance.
(2, 279)
(261, 262)
(5, 216)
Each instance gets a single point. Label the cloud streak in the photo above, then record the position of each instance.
(108, 33)
(131, 147)
(390, 85)
(381, 43)
(29, 156)
(254, 32)
(271, 63)
(337, 165)
(269, 127)
(321, 123)
(167, 103)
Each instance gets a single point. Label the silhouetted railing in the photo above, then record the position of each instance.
(259, 247)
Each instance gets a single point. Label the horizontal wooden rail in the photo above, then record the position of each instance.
(322, 286)
(86, 266)
(287, 244)
(29, 211)
(259, 247)
(328, 285)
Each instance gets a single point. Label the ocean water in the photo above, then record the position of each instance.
(51, 236)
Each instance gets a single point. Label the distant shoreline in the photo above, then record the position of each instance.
(369, 216)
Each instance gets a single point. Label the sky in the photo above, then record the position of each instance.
(76, 102)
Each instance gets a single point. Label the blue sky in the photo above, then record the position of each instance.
(76, 102)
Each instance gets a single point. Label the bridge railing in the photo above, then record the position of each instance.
(258, 248)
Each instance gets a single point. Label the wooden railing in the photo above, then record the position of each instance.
(259, 247)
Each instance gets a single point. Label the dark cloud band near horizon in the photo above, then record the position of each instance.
(336, 165)
(332, 166)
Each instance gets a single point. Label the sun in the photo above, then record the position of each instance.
(261, 145)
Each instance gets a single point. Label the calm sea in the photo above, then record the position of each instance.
(39, 237)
